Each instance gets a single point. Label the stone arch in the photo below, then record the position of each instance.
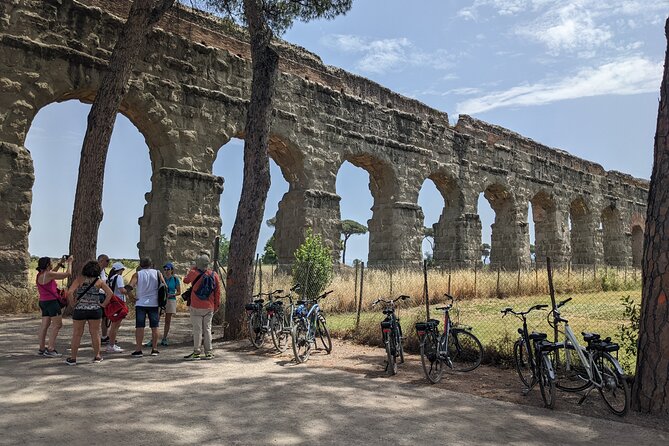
(447, 250)
(510, 240)
(551, 225)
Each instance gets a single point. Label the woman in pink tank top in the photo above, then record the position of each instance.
(47, 288)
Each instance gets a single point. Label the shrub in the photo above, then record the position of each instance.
(629, 334)
(313, 266)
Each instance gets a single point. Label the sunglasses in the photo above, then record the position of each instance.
(167, 269)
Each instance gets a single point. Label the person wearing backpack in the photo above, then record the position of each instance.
(117, 285)
(204, 302)
(173, 290)
(145, 282)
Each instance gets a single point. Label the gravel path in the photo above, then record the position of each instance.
(242, 397)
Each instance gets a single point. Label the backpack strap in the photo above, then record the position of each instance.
(111, 282)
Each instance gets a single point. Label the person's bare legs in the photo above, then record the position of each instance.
(113, 331)
(168, 322)
(56, 325)
(77, 332)
(94, 330)
(44, 326)
(154, 338)
(139, 337)
(104, 328)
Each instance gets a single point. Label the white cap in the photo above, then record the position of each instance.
(118, 266)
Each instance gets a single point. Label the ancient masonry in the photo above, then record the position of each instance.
(188, 98)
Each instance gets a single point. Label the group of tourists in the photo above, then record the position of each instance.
(94, 288)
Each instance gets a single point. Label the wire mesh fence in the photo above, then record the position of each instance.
(597, 304)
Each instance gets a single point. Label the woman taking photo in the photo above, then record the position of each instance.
(84, 295)
(48, 302)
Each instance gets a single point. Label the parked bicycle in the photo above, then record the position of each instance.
(261, 317)
(532, 357)
(392, 334)
(592, 367)
(309, 324)
(283, 322)
(457, 347)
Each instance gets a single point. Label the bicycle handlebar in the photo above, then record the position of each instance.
(508, 310)
(563, 302)
(401, 296)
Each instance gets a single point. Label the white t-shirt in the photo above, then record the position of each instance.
(116, 285)
(103, 276)
(147, 288)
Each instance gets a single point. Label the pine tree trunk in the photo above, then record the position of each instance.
(650, 392)
(87, 214)
(256, 182)
(343, 255)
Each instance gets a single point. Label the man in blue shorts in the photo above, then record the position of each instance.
(146, 282)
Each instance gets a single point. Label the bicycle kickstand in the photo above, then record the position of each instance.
(585, 395)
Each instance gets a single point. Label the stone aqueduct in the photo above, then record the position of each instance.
(188, 97)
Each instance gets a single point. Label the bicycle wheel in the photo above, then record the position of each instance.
(279, 335)
(324, 334)
(391, 366)
(546, 381)
(256, 333)
(571, 374)
(433, 365)
(400, 347)
(614, 390)
(464, 350)
(301, 344)
(521, 358)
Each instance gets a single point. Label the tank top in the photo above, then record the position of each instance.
(89, 300)
(147, 288)
(48, 291)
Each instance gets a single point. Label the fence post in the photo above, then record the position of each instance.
(475, 265)
(255, 272)
(390, 272)
(625, 279)
(362, 281)
(568, 270)
(518, 286)
(594, 271)
(449, 280)
(259, 272)
(551, 290)
(536, 277)
(355, 286)
(426, 296)
(497, 291)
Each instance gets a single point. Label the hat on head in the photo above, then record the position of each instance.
(202, 262)
(168, 265)
(118, 266)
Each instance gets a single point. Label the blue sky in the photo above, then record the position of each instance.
(579, 75)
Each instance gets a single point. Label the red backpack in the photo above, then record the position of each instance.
(116, 310)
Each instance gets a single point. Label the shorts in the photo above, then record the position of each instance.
(50, 308)
(171, 307)
(142, 312)
(86, 315)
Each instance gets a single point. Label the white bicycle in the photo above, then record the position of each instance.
(592, 367)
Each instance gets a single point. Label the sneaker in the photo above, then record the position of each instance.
(207, 356)
(164, 342)
(154, 352)
(192, 357)
(137, 354)
(117, 349)
(97, 359)
(148, 343)
(70, 361)
(104, 340)
(41, 352)
(52, 354)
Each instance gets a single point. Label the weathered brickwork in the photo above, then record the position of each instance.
(188, 98)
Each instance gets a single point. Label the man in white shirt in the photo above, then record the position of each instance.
(146, 282)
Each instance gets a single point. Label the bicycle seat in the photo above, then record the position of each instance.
(589, 337)
(301, 302)
(259, 301)
(547, 346)
(388, 311)
(534, 336)
(604, 346)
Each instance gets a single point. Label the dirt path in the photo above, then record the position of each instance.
(256, 397)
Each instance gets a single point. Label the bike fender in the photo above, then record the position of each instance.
(549, 365)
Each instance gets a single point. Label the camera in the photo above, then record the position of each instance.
(65, 257)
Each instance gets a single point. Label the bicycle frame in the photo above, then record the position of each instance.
(587, 361)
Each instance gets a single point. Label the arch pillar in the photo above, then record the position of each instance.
(457, 234)
(395, 234)
(617, 242)
(510, 241)
(181, 217)
(551, 226)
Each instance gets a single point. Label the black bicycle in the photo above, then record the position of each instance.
(261, 317)
(392, 334)
(532, 357)
(282, 322)
(457, 347)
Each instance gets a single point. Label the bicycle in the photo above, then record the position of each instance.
(457, 346)
(283, 321)
(261, 318)
(307, 325)
(531, 353)
(591, 367)
(392, 334)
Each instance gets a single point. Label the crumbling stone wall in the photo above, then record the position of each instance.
(188, 97)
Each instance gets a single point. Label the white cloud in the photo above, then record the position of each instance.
(627, 76)
(382, 55)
